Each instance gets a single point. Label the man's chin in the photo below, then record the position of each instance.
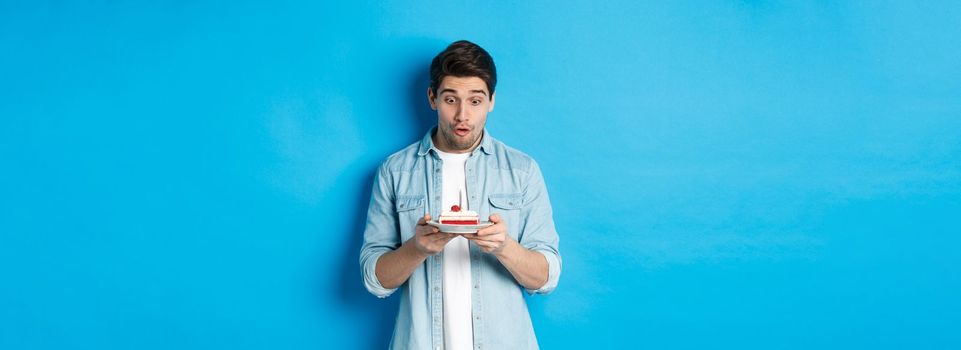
(469, 144)
(459, 144)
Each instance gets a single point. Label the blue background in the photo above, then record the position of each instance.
(724, 174)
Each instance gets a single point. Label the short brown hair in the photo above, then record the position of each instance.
(463, 59)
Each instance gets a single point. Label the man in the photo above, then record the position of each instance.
(460, 291)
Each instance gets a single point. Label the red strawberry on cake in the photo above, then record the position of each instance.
(456, 216)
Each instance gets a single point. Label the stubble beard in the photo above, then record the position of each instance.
(456, 144)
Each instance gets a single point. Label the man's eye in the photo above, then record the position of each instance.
(449, 100)
(475, 102)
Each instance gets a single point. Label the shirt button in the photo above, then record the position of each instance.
(476, 286)
(476, 317)
(437, 289)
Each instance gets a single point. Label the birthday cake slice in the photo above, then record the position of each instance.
(456, 216)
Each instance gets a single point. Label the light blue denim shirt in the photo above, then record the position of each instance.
(500, 180)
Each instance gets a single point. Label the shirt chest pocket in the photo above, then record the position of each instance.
(508, 206)
(409, 209)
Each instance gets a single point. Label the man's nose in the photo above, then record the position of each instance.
(461, 112)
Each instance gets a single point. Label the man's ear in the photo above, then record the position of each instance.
(491, 109)
(430, 98)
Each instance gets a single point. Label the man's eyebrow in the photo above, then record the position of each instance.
(483, 92)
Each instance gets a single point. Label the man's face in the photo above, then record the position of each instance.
(462, 104)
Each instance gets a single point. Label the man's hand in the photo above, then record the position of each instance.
(494, 238)
(528, 267)
(394, 268)
(428, 239)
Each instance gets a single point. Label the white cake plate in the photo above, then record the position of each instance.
(461, 229)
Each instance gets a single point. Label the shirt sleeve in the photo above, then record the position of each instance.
(380, 232)
(538, 233)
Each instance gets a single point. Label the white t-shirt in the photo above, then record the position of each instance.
(458, 326)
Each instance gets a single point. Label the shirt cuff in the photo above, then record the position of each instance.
(553, 273)
(370, 277)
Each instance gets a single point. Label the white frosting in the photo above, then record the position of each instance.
(463, 214)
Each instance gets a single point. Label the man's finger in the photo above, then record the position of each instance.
(486, 230)
(496, 219)
(489, 230)
(443, 238)
(484, 244)
(423, 220)
(477, 237)
(426, 230)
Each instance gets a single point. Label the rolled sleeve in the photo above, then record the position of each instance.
(369, 266)
(539, 233)
(380, 233)
(553, 273)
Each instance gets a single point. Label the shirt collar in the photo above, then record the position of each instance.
(427, 143)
